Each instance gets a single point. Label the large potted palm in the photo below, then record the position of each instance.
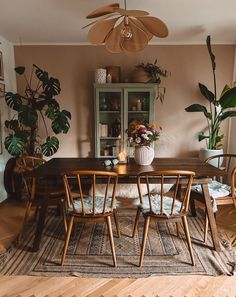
(37, 102)
(217, 111)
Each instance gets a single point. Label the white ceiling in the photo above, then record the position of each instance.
(60, 21)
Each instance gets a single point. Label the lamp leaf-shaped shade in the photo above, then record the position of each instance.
(121, 29)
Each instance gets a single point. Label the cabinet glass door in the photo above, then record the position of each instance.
(109, 119)
(138, 108)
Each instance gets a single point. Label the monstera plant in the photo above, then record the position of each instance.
(37, 101)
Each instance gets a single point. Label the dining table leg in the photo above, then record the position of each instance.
(212, 221)
(40, 227)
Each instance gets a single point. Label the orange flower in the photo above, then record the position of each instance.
(153, 126)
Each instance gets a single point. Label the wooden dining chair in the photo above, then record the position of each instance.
(221, 189)
(88, 207)
(165, 207)
(37, 189)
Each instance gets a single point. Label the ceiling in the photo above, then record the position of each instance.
(60, 21)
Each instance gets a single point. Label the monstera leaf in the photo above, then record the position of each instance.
(41, 75)
(14, 101)
(20, 70)
(51, 86)
(14, 145)
(28, 116)
(61, 123)
(12, 124)
(50, 147)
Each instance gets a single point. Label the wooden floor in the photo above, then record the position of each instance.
(11, 214)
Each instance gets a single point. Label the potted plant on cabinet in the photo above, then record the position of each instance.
(218, 110)
(37, 101)
(151, 73)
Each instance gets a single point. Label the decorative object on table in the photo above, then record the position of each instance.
(219, 110)
(123, 29)
(150, 73)
(37, 101)
(122, 156)
(142, 136)
(1, 67)
(112, 162)
(114, 71)
(2, 90)
(100, 76)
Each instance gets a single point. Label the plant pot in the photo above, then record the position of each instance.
(140, 76)
(206, 153)
(143, 155)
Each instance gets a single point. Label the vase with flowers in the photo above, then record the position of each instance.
(142, 137)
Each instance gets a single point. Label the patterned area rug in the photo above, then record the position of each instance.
(89, 253)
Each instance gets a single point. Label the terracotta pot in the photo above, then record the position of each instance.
(143, 155)
(140, 76)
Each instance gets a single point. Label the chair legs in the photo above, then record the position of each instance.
(206, 228)
(136, 221)
(145, 233)
(108, 219)
(186, 231)
(116, 222)
(67, 239)
(177, 229)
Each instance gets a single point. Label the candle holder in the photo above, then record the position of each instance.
(122, 157)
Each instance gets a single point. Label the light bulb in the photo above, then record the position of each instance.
(126, 32)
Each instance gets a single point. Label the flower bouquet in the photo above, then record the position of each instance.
(143, 135)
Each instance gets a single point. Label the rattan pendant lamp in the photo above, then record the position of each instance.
(122, 29)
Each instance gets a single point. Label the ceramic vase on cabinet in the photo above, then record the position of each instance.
(100, 76)
(143, 155)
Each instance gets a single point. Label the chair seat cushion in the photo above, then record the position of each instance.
(216, 189)
(130, 190)
(88, 205)
(156, 205)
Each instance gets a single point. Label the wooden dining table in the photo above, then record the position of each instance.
(57, 167)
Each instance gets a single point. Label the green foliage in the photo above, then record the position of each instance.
(218, 108)
(37, 102)
(155, 72)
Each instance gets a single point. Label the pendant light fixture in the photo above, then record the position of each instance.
(122, 29)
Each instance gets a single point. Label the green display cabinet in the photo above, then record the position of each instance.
(118, 107)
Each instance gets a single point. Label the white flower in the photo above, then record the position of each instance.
(144, 136)
(149, 133)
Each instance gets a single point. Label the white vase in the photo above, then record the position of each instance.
(206, 153)
(143, 155)
(100, 76)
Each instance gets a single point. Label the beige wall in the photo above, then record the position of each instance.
(189, 64)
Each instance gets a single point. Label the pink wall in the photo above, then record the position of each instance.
(189, 64)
